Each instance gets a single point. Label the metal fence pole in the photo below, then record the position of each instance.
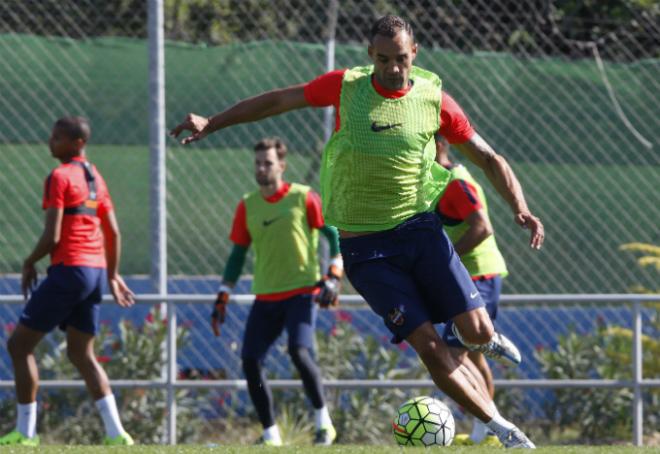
(158, 209)
(638, 402)
(328, 112)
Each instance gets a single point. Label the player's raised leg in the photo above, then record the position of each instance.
(413, 287)
(80, 350)
(475, 331)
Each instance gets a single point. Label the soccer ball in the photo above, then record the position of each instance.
(423, 421)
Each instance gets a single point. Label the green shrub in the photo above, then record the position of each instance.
(69, 416)
(598, 414)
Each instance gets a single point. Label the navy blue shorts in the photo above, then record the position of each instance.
(268, 319)
(490, 290)
(410, 275)
(69, 296)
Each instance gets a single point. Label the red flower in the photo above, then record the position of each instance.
(333, 331)
(103, 359)
(149, 318)
(343, 316)
(539, 348)
(403, 346)
(10, 327)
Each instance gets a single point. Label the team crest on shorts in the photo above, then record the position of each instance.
(396, 315)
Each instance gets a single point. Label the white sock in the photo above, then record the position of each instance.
(107, 407)
(272, 433)
(26, 419)
(322, 418)
(500, 425)
(479, 431)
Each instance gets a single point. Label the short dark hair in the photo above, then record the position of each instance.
(389, 26)
(74, 127)
(272, 142)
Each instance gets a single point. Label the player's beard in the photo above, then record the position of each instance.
(394, 83)
(265, 180)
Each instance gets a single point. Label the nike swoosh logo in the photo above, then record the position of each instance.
(473, 295)
(268, 222)
(375, 127)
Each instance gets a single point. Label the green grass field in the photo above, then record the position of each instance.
(587, 208)
(345, 449)
(338, 449)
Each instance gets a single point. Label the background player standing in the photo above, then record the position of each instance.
(82, 237)
(281, 221)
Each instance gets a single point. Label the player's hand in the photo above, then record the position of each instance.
(528, 221)
(28, 278)
(120, 291)
(220, 309)
(330, 287)
(194, 123)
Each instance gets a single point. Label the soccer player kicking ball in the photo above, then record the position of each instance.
(378, 190)
(82, 237)
(464, 213)
(281, 221)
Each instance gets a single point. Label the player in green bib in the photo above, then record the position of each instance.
(464, 211)
(378, 189)
(281, 221)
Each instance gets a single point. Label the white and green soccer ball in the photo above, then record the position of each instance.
(423, 421)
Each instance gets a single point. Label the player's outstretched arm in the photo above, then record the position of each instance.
(112, 239)
(46, 243)
(262, 106)
(504, 180)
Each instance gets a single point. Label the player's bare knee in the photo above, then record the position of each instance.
(476, 330)
(79, 358)
(483, 334)
(16, 348)
(12, 347)
(434, 351)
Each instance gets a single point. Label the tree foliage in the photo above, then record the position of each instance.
(626, 28)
